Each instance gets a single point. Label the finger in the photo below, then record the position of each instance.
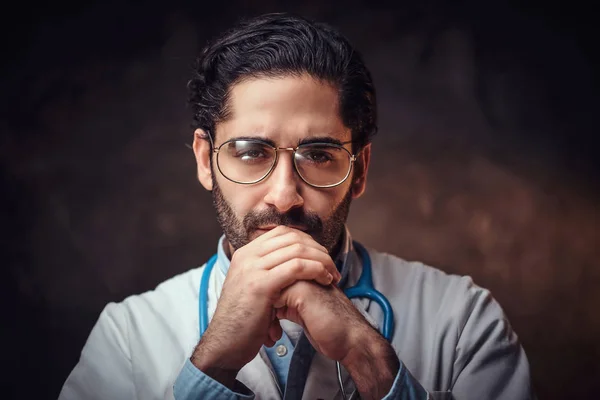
(255, 246)
(302, 251)
(289, 313)
(287, 238)
(294, 270)
(269, 342)
(281, 309)
(275, 331)
(277, 231)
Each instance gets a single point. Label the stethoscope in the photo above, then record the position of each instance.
(364, 288)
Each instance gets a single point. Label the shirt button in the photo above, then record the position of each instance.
(281, 350)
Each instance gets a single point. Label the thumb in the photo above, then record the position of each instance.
(282, 313)
(291, 315)
(285, 297)
(292, 301)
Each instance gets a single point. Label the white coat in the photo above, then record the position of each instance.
(450, 334)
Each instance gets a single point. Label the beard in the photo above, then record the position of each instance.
(239, 232)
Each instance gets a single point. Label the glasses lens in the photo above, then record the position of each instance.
(245, 161)
(323, 164)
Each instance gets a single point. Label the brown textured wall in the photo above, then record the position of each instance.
(483, 166)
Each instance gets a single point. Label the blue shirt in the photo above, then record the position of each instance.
(193, 384)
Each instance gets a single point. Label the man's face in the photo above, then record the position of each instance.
(286, 111)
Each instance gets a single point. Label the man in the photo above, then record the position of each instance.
(285, 110)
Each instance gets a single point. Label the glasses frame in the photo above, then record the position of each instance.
(215, 150)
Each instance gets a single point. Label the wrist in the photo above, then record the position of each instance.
(373, 365)
(212, 365)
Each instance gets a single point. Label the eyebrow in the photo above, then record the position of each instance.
(308, 140)
(258, 138)
(320, 139)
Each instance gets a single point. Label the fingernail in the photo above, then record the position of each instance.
(329, 278)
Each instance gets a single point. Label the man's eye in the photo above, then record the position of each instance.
(251, 154)
(318, 157)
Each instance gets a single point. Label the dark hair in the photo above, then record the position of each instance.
(279, 45)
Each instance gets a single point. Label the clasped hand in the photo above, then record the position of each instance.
(283, 274)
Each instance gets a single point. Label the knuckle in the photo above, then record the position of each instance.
(299, 248)
(298, 266)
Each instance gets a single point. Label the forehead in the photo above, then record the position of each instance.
(284, 109)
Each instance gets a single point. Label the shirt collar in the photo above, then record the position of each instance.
(343, 259)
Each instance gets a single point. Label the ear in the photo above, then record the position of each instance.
(202, 151)
(361, 167)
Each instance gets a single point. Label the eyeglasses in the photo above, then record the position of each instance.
(248, 161)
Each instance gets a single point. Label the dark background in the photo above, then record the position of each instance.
(486, 164)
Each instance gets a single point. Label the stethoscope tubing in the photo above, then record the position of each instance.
(203, 295)
(364, 288)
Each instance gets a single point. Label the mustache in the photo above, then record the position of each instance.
(297, 217)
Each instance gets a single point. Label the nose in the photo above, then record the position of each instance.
(284, 184)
